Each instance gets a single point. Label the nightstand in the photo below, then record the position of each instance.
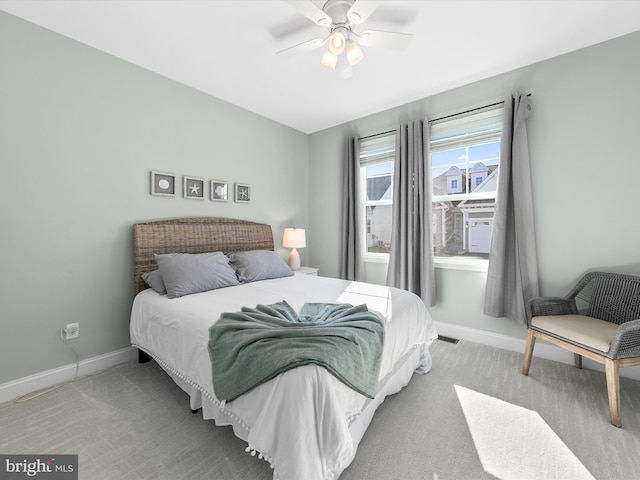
(306, 271)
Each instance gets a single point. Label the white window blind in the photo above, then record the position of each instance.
(474, 128)
(380, 148)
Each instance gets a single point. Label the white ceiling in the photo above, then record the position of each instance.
(227, 48)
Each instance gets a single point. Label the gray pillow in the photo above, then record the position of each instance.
(184, 273)
(258, 265)
(154, 280)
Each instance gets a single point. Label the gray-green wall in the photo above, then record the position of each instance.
(585, 160)
(79, 133)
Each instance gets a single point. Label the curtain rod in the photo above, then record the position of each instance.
(438, 119)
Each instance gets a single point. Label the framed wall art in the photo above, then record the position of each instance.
(193, 187)
(243, 193)
(163, 183)
(219, 190)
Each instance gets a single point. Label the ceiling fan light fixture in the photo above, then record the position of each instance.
(329, 59)
(337, 42)
(353, 52)
(343, 68)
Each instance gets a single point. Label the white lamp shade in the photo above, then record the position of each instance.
(353, 52)
(329, 59)
(294, 238)
(337, 42)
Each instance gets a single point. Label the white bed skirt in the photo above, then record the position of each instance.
(417, 360)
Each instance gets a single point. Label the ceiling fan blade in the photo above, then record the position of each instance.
(360, 10)
(379, 38)
(303, 47)
(309, 10)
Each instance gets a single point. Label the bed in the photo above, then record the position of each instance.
(304, 422)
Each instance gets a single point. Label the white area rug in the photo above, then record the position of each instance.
(515, 443)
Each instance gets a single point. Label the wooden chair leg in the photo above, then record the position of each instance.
(577, 360)
(613, 390)
(528, 352)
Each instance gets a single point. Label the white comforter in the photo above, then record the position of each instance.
(300, 420)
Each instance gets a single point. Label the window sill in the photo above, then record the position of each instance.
(448, 263)
(462, 263)
(380, 258)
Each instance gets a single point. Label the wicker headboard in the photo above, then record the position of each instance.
(194, 235)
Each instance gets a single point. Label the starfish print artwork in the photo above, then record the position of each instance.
(242, 193)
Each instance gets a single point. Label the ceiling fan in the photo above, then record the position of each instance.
(341, 18)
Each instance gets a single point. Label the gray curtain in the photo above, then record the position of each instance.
(512, 278)
(351, 261)
(411, 258)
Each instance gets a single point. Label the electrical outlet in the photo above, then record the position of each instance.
(71, 330)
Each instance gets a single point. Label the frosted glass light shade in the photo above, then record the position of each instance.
(329, 59)
(353, 52)
(337, 42)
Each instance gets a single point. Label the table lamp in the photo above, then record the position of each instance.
(294, 238)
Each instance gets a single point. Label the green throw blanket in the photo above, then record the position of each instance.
(254, 345)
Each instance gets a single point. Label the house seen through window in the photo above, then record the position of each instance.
(376, 187)
(465, 158)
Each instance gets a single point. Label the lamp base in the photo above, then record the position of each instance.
(294, 260)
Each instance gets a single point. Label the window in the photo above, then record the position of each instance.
(376, 187)
(465, 156)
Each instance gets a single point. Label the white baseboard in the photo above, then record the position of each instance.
(542, 349)
(22, 386)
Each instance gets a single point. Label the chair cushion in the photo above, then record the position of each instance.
(581, 329)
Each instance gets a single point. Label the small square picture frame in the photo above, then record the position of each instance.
(242, 193)
(219, 190)
(163, 184)
(193, 187)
